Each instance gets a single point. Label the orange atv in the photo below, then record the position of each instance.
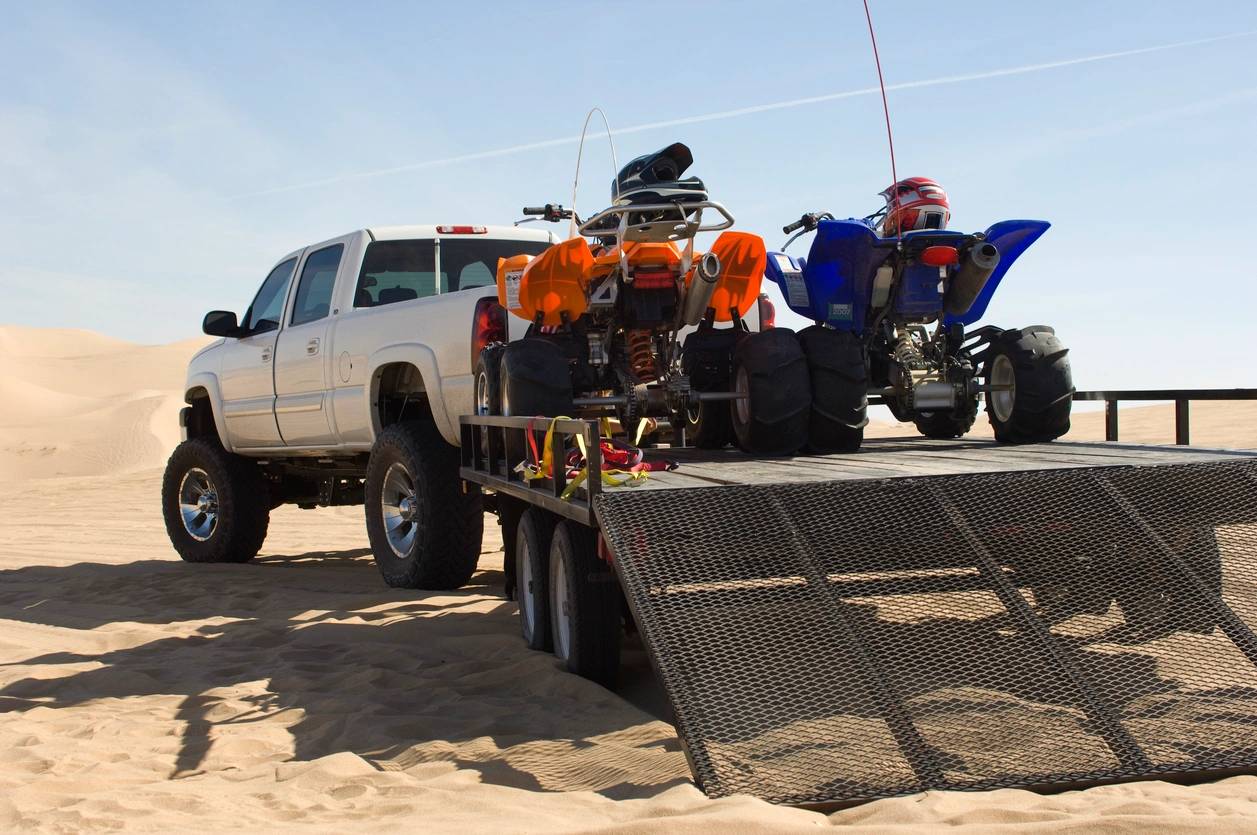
(606, 316)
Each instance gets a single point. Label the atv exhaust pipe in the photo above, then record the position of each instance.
(979, 262)
(703, 285)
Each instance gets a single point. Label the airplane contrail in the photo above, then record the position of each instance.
(744, 111)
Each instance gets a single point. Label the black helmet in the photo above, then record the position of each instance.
(656, 178)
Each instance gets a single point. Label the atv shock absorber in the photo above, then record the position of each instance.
(641, 355)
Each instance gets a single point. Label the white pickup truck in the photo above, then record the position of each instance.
(343, 384)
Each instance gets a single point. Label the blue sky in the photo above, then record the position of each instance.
(157, 158)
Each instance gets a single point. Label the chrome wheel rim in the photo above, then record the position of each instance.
(742, 405)
(401, 509)
(528, 592)
(482, 394)
(504, 399)
(561, 605)
(198, 504)
(1003, 383)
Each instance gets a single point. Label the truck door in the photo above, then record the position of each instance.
(247, 380)
(301, 357)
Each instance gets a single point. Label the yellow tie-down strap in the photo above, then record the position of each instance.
(610, 478)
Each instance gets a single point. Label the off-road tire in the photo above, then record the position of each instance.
(243, 506)
(839, 378)
(709, 424)
(773, 419)
(533, 540)
(489, 375)
(536, 379)
(449, 518)
(1044, 387)
(952, 423)
(592, 605)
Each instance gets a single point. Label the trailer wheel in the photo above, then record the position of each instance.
(216, 505)
(584, 606)
(533, 540)
(510, 510)
(424, 526)
(949, 424)
(1030, 388)
(536, 379)
(770, 371)
(839, 379)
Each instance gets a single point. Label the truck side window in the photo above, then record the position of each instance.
(268, 305)
(396, 271)
(314, 290)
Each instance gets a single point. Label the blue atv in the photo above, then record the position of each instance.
(874, 300)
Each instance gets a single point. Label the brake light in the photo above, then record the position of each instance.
(767, 313)
(654, 279)
(462, 230)
(940, 256)
(488, 326)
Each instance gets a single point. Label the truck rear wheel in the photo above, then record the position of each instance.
(215, 504)
(840, 385)
(1030, 389)
(536, 379)
(584, 606)
(425, 529)
(488, 380)
(533, 540)
(770, 371)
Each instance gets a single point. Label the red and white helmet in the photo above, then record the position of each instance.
(915, 203)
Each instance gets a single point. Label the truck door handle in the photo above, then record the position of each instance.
(266, 354)
(312, 347)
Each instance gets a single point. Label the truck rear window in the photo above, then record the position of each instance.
(398, 271)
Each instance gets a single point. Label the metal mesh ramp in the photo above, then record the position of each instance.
(834, 642)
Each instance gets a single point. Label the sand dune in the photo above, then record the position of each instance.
(142, 693)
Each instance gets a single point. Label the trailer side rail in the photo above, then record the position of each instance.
(1182, 399)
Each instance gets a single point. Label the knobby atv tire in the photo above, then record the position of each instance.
(948, 424)
(593, 605)
(533, 540)
(1043, 385)
(536, 379)
(489, 376)
(709, 425)
(244, 503)
(449, 522)
(839, 380)
(771, 369)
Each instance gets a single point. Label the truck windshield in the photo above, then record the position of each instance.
(473, 262)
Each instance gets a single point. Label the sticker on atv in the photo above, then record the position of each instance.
(796, 287)
(512, 289)
(841, 312)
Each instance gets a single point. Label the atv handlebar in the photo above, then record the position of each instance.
(809, 222)
(552, 212)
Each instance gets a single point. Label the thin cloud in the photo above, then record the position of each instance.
(743, 111)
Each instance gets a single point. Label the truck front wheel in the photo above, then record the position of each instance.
(425, 529)
(215, 504)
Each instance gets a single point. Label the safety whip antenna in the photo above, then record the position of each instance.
(890, 138)
(615, 166)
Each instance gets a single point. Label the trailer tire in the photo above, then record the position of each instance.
(509, 510)
(839, 379)
(770, 369)
(1036, 365)
(532, 568)
(953, 423)
(424, 526)
(216, 505)
(585, 621)
(536, 379)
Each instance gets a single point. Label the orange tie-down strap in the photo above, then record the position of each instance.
(623, 464)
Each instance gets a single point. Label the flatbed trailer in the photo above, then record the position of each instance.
(926, 614)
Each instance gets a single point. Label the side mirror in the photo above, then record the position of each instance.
(220, 323)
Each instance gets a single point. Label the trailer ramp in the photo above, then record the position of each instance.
(831, 642)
